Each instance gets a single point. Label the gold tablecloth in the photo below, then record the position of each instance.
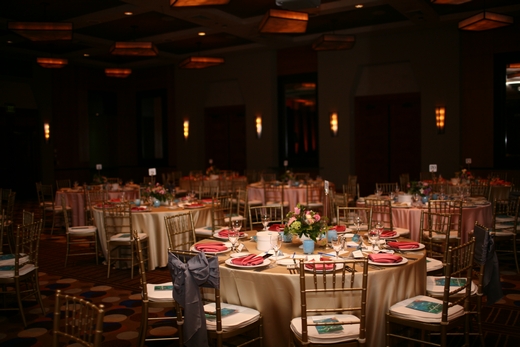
(152, 223)
(275, 293)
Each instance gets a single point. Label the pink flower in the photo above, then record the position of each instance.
(292, 219)
(296, 210)
(317, 217)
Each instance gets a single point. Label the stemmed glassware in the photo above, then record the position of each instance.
(233, 238)
(357, 222)
(373, 236)
(337, 244)
(276, 243)
(265, 221)
(236, 225)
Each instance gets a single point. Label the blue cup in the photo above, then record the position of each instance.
(331, 234)
(287, 237)
(137, 202)
(308, 246)
(156, 203)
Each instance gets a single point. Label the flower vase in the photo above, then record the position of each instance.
(308, 246)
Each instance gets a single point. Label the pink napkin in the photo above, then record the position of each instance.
(140, 208)
(211, 247)
(194, 205)
(248, 260)
(225, 233)
(339, 228)
(115, 200)
(276, 227)
(404, 245)
(388, 233)
(328, 266)
(385, 258)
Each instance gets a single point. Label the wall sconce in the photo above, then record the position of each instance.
(334, 124)
(440, 117)
(186, 127)
(258, 122)
(46, 131)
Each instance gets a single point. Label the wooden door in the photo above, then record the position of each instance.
(388, 138)
(225, 137)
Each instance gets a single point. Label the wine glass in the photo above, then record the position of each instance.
(358, 221)
(337, 244)
(233, 238)
(236, 225)
(265, 220)
(276, 243)
(373, 236)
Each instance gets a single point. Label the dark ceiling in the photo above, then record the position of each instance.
(97, 24)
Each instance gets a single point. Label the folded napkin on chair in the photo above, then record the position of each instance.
(211, 247)
(385, 258)
(388, 233)
(404, 244)
(276, 227)
(248, 260)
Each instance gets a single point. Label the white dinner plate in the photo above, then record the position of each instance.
(421, 246)
(194, 206)
(336, 267)
(265, 263)
(239, 255)
(433, 264)
(217, 236)
(404, 261)
(227, 244)
(389, 237)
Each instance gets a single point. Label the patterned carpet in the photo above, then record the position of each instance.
(120, 295)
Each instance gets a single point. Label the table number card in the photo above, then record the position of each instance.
(468, 160)
(151, 172)
(99, 166)
(433, 167)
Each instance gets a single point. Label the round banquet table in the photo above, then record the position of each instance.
(75, 198)
(152, 223)
(275, 292)
(410, 218)
(293, 195)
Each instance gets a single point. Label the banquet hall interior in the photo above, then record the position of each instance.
(371, 89)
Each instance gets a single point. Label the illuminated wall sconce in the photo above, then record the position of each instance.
(186, 127)
(258, 122)
(334, 124)
(46, 131)
(440, 118)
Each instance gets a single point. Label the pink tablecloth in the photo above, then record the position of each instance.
(410, 218)
(76, 200)
(293, 195)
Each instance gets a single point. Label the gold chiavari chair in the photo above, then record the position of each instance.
(343, 313)
(453, 208)
(505, 226)
(180, 231)
(434, 231)
(275, 214)
(386, 188)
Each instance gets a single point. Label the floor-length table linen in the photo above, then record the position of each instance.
(293, 195)
(410, 218)
(152, 223)
(275, 293)
(76, 200)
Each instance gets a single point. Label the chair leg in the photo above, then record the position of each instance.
(516, 256)
(19, 299)
(144, 325)
(67, 237)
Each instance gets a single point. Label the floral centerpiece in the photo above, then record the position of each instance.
(287, 176)
(212, 170)
(306, 222)
(158, 192)
(419, 187)
(98, 179)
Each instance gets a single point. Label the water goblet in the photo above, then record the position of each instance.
(265, 220)
(233, 238)
(337, 244)
(358, 221)
(276, 243)
(373, 236)
(236, 225)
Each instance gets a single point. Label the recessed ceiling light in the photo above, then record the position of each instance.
(201, 33)
(128, 13)
(359, 6)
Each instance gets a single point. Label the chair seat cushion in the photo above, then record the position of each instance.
(160, 292)
(435, 285)
(7, 271)
(424, 309)
(84, 229)
(346, 333)
(126, 237)
(204, 231)
(433, 264)
(238, 316)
